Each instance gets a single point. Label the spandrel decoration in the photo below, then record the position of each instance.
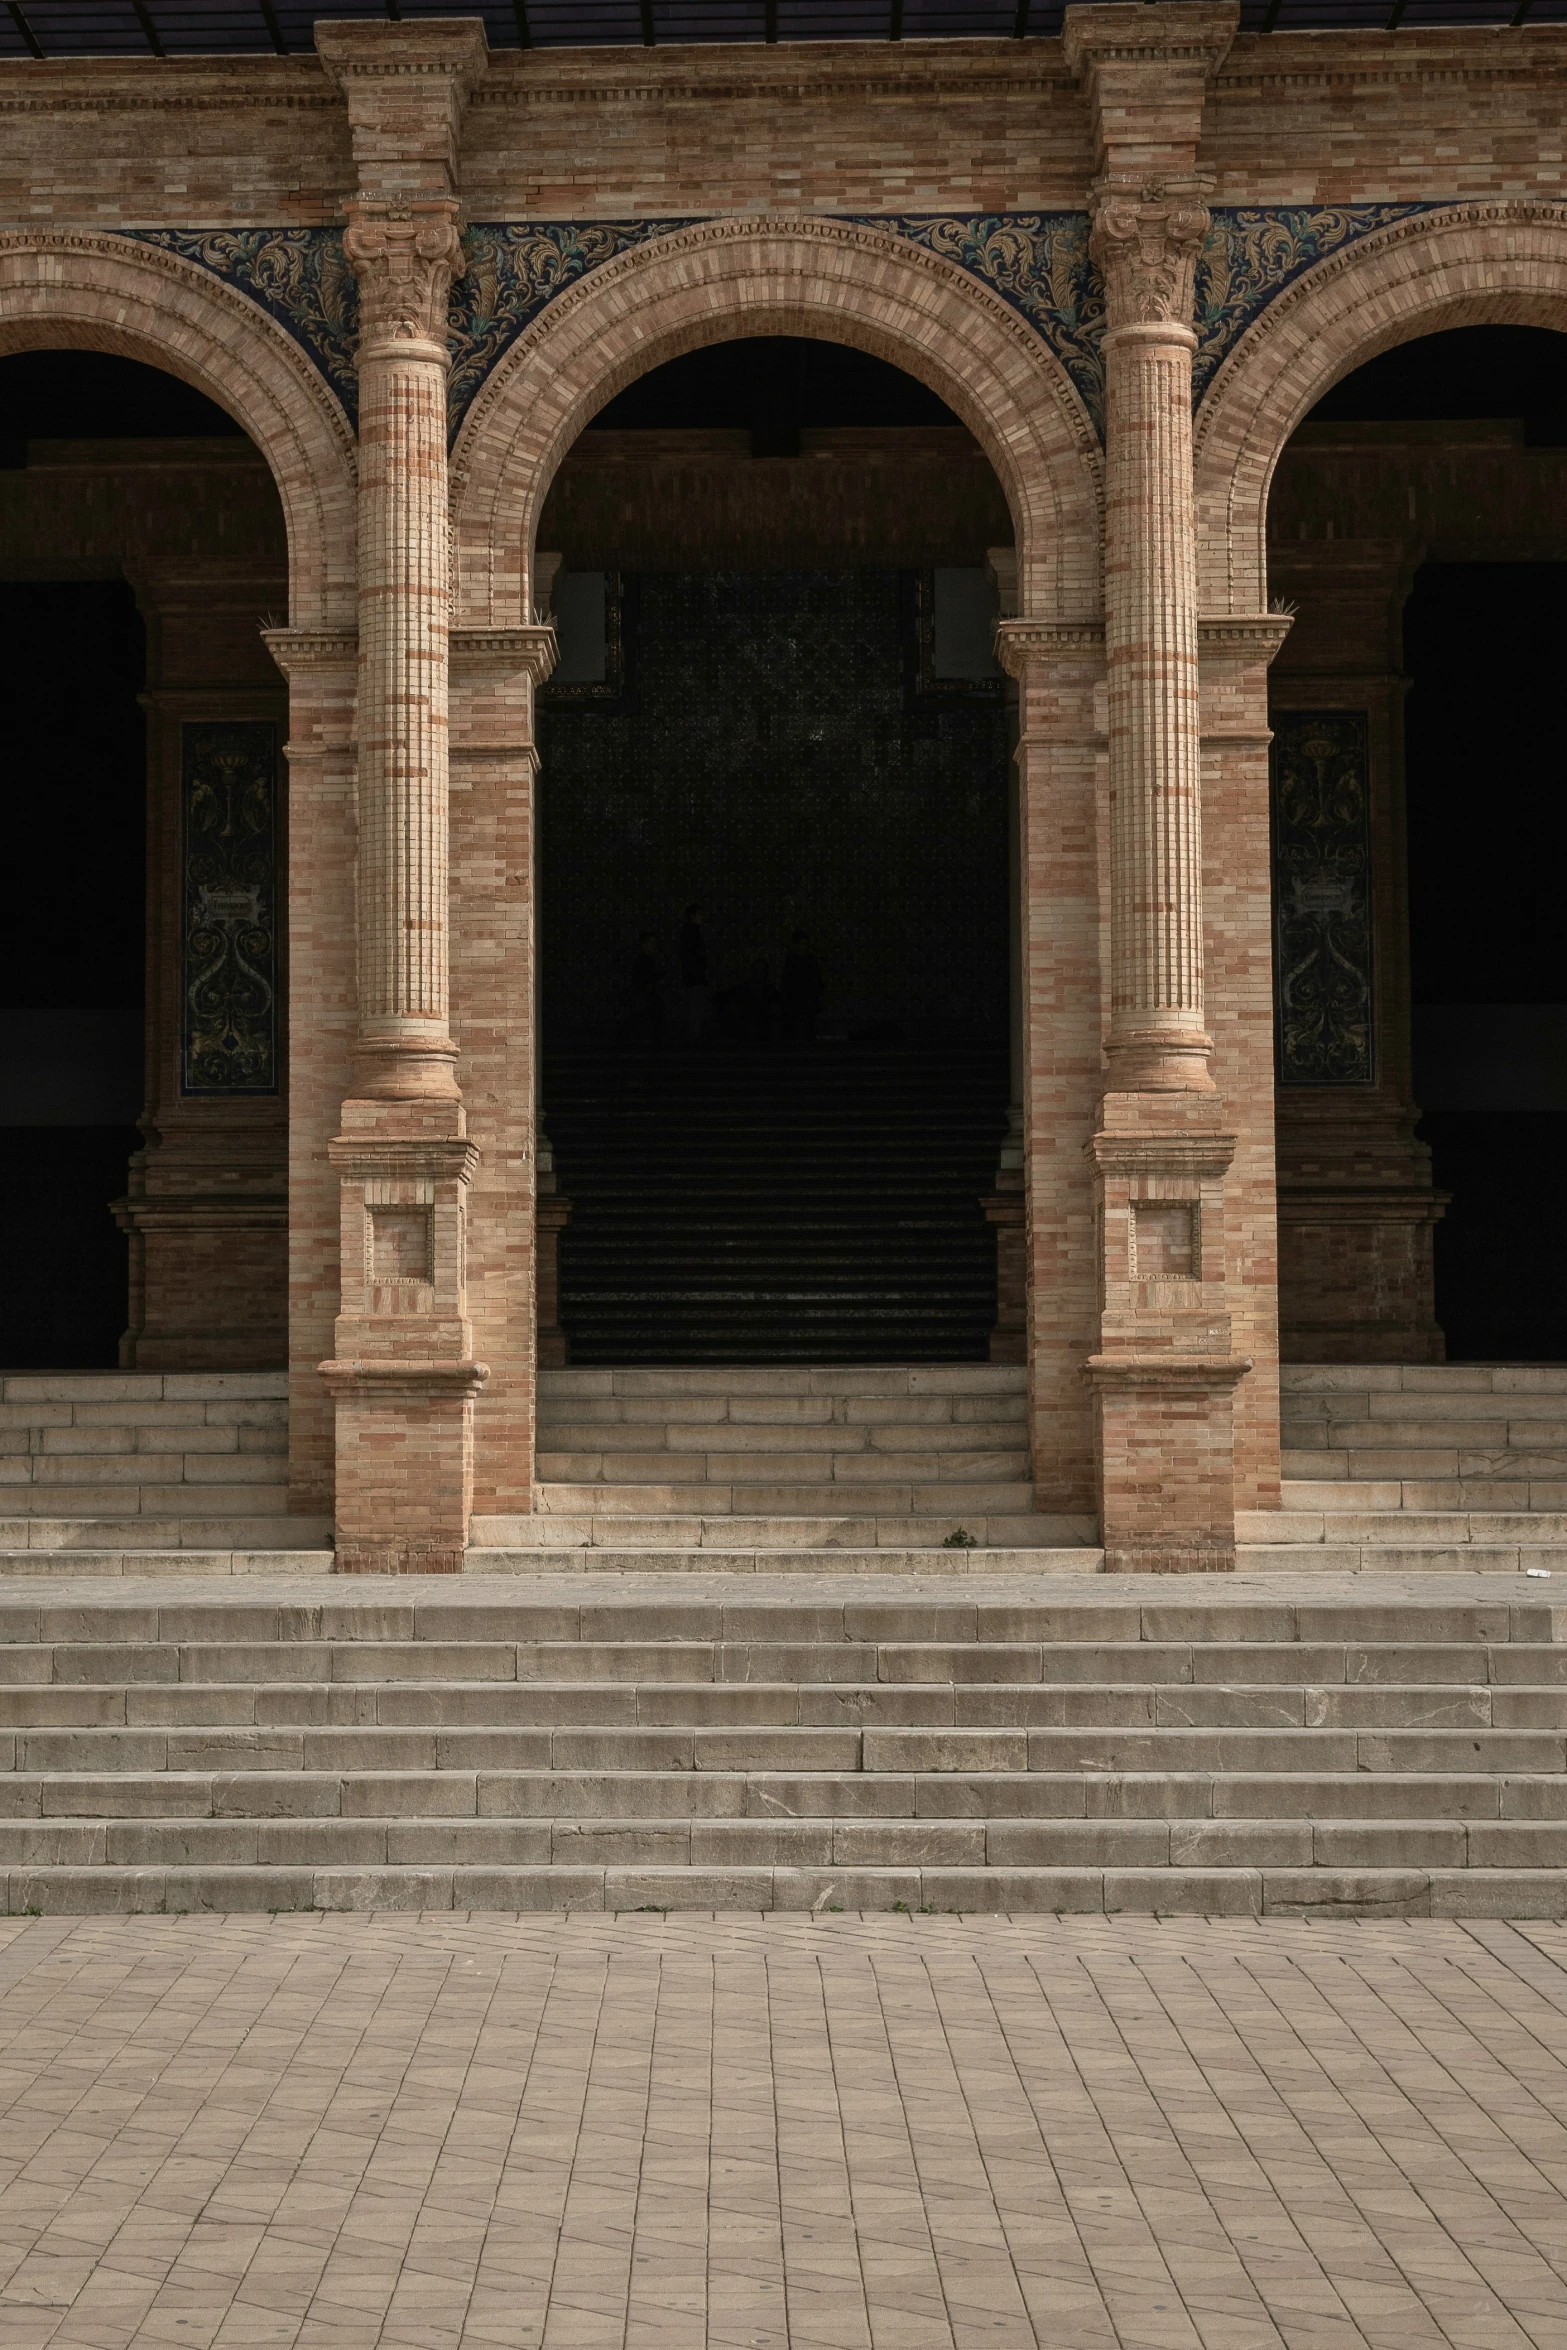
(1322, 990)
(229, 975)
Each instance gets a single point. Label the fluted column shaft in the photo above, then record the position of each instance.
(1146, 243)
(404, 261)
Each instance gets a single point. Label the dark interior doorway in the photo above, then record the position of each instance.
(73, 885)
(815, 754)
(1487, 855)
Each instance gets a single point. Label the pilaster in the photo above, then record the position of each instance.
(511, 1231)
(1164, 1371)
(1058, 667)
(322, 672)
(402, 1369)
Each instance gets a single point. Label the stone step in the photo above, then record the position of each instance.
(1422, 1495)
(238, 1498)
(1420, 1842)
(955, 1500)
(280, 1649)
(679, 1448)
(1410, 1529)
(1185, 1616)
(438, 1706)
(209, 1535)
(55, 1565)
(893, 1380)
(585, 1794)
(370, 1748)
(1437, 1379)
(795, 1472)
(556, 1543)
(1289, 1892)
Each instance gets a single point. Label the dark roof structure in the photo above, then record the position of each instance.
(193, 28)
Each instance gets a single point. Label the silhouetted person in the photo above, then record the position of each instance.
(749, 1008)
(800, 995)
(647, 995)
(696, 998)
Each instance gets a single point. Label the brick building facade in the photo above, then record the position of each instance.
(1129, 260)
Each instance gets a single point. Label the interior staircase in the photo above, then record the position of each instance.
(808, 1206)
(1020, 1745)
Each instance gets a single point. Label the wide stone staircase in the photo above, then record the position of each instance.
(1017, 1744)
(812, 1206)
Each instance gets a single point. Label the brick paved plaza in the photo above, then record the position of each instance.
(752, 2131)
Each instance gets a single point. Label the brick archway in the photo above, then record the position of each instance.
(771, 275)
(1468, 265)
(105, 293)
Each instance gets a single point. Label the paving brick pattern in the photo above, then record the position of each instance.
(843, 2131)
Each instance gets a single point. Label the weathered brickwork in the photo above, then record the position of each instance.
(1067, 240)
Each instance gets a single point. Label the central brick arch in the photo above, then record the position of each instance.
(1502, 263)
(770, 275)
(77, 290)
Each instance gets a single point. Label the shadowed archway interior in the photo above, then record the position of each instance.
(775, 1116)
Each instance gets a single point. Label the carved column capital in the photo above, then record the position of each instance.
(1145, 239)
(405, 257)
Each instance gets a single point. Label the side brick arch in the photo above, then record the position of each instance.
(768, 275)
(1501, 263)
(74, 289)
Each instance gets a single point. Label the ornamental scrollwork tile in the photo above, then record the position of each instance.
(299, 276)
(512, 269)
(1039, 263)
(1252, 253)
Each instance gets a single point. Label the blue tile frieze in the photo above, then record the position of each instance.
(1037, 262)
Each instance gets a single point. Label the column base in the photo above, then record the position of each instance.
(404, 1464)
(1164, 1561)
(1166, 1444)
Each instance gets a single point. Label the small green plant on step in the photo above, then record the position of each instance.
(959, 1539)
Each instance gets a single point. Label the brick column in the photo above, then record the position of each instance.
(402, 1372)
(1163, 1372)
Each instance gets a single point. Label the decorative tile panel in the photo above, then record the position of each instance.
(1038, 262)
(1322, 976)
(513, 269)
(1252, 253)
(299, 276)
(229, 961)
